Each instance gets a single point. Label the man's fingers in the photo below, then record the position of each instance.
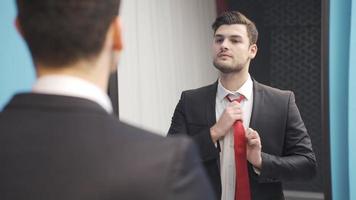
(254, 142)
(237, 116)
(251, 133)
(233, 110)
(234, 103)
(236, 106)
(253, 139)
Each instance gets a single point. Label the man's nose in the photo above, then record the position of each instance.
(225, 45)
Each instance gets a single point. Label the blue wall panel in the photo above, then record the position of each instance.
(352, 105)
(16, 69)
(342, 73)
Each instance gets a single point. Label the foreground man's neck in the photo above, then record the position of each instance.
(86, 71)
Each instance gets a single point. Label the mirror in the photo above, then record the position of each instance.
(169, 50)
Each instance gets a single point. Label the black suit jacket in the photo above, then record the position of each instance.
(286, 147)
(56, 147)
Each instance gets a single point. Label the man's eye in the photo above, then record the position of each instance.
(219, 40)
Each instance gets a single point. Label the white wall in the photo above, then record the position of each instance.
(167, 49)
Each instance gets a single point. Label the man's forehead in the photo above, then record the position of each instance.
(236, 30)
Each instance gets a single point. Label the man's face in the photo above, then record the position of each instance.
(232, 51)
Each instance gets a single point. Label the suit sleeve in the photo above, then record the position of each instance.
(298, 159)
(188, 179)
(202, 138)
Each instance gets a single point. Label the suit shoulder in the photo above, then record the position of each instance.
(273, 90)
(199, 91)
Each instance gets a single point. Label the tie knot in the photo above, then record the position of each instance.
(239, 99)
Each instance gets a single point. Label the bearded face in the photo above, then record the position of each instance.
(231, 48)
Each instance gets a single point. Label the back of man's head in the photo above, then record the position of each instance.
(61, 32)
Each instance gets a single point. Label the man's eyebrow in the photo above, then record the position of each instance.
(229, 36)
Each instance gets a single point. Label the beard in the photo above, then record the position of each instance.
(227, 68)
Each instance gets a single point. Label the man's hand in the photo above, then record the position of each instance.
(253, 148)
(231, 113)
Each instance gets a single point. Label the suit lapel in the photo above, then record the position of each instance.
(258, 103)
(210, 99)
(210, 104)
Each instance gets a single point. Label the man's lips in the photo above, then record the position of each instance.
(224, 55)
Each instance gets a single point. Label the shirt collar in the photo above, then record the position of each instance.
(72, 86)
(246, 90)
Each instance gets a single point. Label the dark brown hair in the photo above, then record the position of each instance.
(60, 32)
(235, 17)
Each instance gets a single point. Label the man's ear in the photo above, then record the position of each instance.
(18, 26)
(117, 40)
(253, 51)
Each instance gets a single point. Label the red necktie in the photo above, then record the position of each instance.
(242, 186)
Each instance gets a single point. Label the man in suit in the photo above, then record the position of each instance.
(61, 141)
(275, 142)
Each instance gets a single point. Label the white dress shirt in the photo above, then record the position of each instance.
(227, 156)
(72, 86)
